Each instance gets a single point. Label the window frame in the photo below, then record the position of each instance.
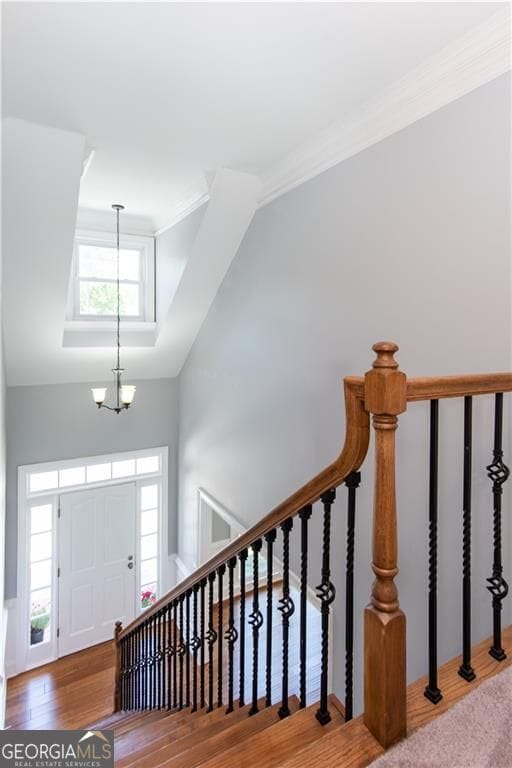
(146, 282)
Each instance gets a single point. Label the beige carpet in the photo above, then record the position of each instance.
(475, 733)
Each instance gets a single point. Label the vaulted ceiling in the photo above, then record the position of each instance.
(166, 94)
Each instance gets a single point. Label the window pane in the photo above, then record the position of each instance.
(148, 464)
(149, 497)
(148, 521)
(148, 595)
(101, 262)
(98, 472)
(101, 299)
(41, 574)
(43, 481)
(40, 546)
(148, 571)
(40, 602)
(40, 616)
(123, 468)
(72, 476)
(40, 518)
(148, 546)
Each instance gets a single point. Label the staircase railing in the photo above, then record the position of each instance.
(174, 655)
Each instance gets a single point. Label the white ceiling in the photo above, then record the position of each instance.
(165, 92)
(171, 96)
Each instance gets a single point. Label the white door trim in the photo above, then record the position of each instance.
(25, 656)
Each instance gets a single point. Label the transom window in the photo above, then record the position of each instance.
(94, 290)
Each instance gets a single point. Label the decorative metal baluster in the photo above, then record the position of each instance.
(326, 594)
(256, 621)
(153, 661)
(287, 609)
(176, 656)
(136, 668)
(352, 482)
(221, 570)
(124, 677)
(498, 472)
(202, 635)
(241, 688)
(181, 651)
(196, 644)
(161, 659)
(169, 654)
(146, 667)
(304, 516)
(466, 670)
(231, 632)
(432, 691)
(211, 637)
(129, 676)
(270, 538)
(187, 647)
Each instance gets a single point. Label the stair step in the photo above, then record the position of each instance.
(352, 740)
(277, 743)
(213, 746)
(170, 744)
(117, 719)
(125, 726)
(174, 727)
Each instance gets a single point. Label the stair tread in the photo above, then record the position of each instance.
(167, 747)
(216, 745)
(352, 740)
(277, 743)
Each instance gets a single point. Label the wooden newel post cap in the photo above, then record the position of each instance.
(385, 387)
(118, 629)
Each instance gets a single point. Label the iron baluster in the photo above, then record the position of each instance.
(153, 659)
(466, 670)
(326, 594)
(203, 640)
(304, 515)
(170, 655)
(498, 472)
(160, 659)
(231, 633)
(211, 637)
(241, 688)
(123, 649)
(221, 570)
(270, 537)
(287, 609)
(181, 651)
(352, 482)
(175, 655)
(195, 644)
(187, 647)
(432, 691)
(255, 621)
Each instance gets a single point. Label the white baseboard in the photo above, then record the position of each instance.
(178, 570)
(11, 665)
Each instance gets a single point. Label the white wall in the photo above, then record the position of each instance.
(410, 241)
(48, 423)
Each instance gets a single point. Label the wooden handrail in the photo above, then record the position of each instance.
(357, 435)
(440, 387)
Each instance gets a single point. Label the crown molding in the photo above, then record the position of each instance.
(475, 58)
(478, 57)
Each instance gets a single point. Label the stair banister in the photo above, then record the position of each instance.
(384, 623)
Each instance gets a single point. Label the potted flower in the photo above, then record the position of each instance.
(39, 621)
(147, 598)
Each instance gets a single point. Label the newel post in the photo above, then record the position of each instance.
(117, 668)
(384, 622)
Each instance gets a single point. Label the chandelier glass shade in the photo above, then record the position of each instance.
(123, 393)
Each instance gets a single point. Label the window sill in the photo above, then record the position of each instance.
(99, 333)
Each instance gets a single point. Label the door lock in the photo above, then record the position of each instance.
(130, 565)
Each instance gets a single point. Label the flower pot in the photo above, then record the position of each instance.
(36, 636)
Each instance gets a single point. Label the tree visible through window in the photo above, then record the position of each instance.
(97, 275)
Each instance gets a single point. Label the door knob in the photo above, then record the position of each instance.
(130, 565)
(130, 557)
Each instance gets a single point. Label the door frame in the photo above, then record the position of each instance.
(27, 656)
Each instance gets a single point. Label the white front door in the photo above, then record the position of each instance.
(97, 565)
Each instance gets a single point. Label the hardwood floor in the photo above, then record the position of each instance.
(76, 691)
(68, 693)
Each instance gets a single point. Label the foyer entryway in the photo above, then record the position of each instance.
(97, 575)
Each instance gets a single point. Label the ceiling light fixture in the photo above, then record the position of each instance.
(124, 393)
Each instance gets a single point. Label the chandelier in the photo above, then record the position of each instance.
(123, 393)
